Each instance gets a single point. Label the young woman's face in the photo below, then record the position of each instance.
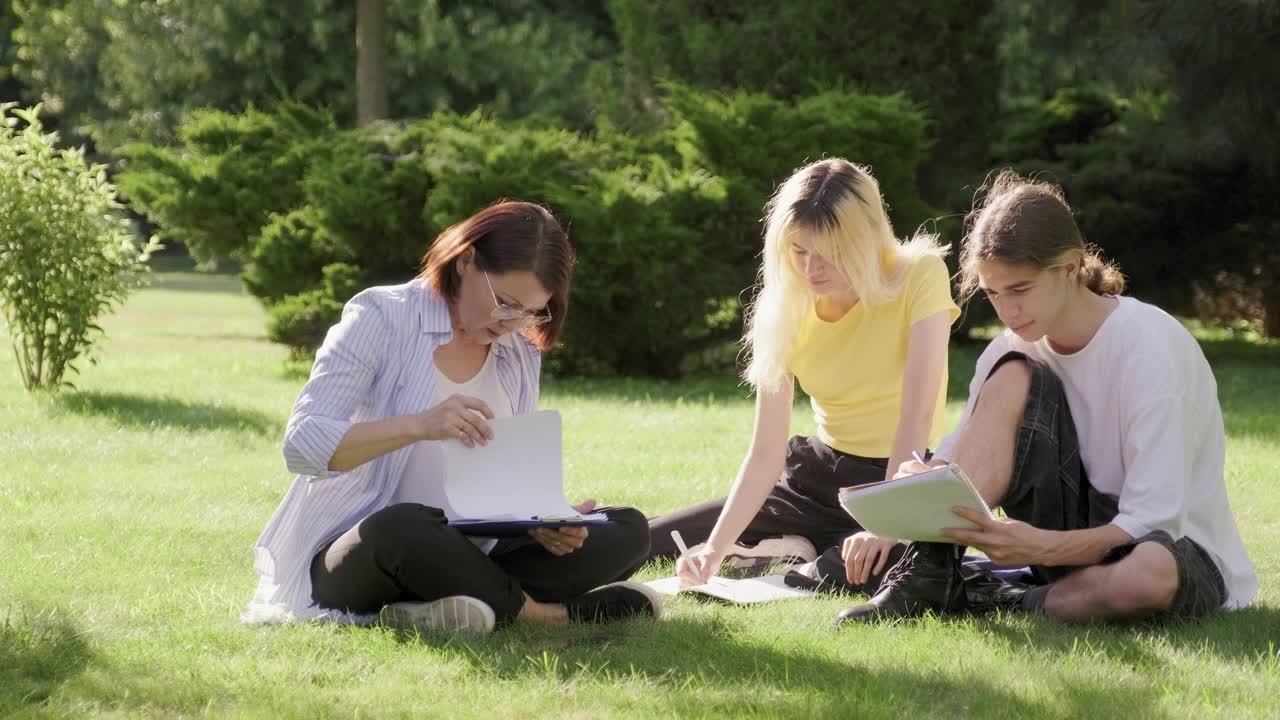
(1030, 301)
(823, 277)
(478, 296)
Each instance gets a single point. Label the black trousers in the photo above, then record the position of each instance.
(803, 502)
(409, 552)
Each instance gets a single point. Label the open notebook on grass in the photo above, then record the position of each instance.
(514, 483)
(915, 507)
(743, 592)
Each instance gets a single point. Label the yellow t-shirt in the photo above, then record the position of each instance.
(852, 369)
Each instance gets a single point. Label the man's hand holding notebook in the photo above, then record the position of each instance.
(915, 507)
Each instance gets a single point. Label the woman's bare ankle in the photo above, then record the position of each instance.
(544, 613)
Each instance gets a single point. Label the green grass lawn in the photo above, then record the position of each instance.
(128, 511)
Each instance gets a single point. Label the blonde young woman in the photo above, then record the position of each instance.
(861, 320)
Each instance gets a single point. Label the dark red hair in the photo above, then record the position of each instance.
(508, 236)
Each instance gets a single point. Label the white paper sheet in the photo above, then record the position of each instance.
(744, 592)
(517, 476)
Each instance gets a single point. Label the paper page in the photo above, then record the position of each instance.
(666, 585)
(518, 475)
(746, 591)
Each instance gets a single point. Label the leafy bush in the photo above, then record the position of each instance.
(216, 191)
(1169, 224)
(942, 55)
(650, 269)
(755, 142)
(290, 255)
(67, 255)
(300, 321)
(368, 193)
(666, 225)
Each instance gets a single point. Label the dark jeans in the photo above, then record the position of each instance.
(1050, 489)
(409, 552)
(803, 502)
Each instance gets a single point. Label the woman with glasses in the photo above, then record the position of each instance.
(861, 320)
(407, 368)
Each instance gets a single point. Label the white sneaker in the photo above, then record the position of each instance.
(787, 549)
(615, 601)
(457, 613)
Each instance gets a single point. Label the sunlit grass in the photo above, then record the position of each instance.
(129, 509)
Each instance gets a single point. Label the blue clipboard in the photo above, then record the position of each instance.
(516, 528)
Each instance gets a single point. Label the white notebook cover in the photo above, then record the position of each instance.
(916, 507)
(517, 477)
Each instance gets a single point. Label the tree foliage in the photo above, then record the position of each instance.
(119, 72)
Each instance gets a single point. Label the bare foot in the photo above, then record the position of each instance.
(544, 613)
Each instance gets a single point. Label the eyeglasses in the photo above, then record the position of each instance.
(506, 313)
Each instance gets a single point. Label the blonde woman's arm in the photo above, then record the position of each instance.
(756, 478)
(922, 380)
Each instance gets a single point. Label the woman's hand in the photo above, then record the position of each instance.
(865, 554)
(915, 467)
(697, 567)
(458, 417)
(562, 541)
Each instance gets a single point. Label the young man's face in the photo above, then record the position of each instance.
(1030, 301)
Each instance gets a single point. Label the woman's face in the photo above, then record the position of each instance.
(478, 296)
(823, 277)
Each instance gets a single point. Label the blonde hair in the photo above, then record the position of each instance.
(840, 204)
(1028, 222)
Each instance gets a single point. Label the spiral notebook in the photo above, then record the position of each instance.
(915, 507)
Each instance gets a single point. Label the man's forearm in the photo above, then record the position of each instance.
(1081, 547)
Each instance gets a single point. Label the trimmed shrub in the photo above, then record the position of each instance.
(217, 189)
(300, 321)
(290, 255)
(368, 193)
(666, 224)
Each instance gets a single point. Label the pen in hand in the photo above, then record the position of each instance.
(684, 551)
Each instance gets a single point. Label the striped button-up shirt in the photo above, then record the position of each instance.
(377, 362)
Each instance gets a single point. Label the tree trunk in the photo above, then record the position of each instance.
(1271, 309)
(371, 75)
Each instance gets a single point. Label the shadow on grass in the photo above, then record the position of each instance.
(247, 337)
(1243, 636)
(39, 652)
(1247, 392)
(1242, 352)
(713, 389)
(710, 671)
(144, 411)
